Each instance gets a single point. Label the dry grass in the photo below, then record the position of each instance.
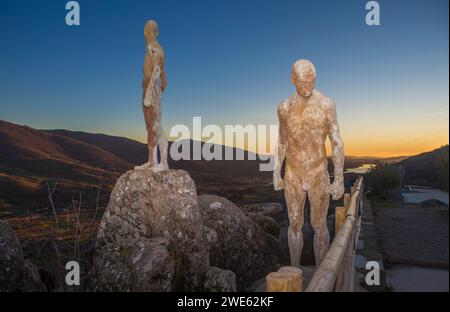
(51, 240)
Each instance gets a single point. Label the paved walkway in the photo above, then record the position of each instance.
(419, 195)
(407, 278)
(367, 250)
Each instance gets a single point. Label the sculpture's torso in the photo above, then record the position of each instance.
(154, 60)
(306, 131)
(152, 85)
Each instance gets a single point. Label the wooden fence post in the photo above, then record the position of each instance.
(287, 279)
(347, 199)
(297, 277)
(339, 219)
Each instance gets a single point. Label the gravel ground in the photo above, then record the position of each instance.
(412, 233)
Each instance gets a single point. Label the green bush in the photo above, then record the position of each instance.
(382, 178)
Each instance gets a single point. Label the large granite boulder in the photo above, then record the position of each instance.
(16, 273)
(133, 265)
(151, 237)
(273, 210)
(218, 280)
(242, 246)
(267, 223)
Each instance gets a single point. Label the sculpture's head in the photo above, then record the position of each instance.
(303, 76)
(151, 30)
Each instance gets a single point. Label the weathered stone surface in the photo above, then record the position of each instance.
(16, 273)
(267, 209)
(211, 236)
(267, 223)
(242, 246)
(143, 265)
(257, 286)
(152, 233)
(218, 280)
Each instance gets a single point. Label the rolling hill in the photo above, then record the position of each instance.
(427, 169)
(82, 162)
(32, 161)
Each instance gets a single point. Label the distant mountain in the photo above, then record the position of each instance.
(135, 153)
(126, 149)
(427, 169)
(394, 160)
(34, 153)
(29, 159)
(81, 162)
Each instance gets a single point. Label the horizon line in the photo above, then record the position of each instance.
(224, 145)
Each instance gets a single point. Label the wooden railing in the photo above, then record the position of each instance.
(336, 271)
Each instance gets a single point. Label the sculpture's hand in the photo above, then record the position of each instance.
(337, 188)
(278, 183)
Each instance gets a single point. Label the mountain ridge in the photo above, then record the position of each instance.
(84, 162)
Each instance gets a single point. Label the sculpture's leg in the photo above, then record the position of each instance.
(163, 149)
(152, 148)
(155, 156)
(150, 119)
(319, 199)
(161, 142)
(295, 200)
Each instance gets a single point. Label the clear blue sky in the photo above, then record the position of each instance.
(229, 62)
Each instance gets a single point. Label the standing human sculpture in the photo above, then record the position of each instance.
(305, 120)
(153, 85)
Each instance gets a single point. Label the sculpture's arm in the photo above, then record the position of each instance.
(280, 149)
(162, 61)
(163, 77)
(158, 58)
(337, 188)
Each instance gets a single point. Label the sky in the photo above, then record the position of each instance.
(229, 62)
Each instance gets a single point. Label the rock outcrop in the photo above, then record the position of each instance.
(241, 245)
(16, 273)
(218, 280)
(272, 210)
(151, 237)
(267, 223)
(157, 235)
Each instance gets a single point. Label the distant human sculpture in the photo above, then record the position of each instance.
(305, 120)
(153, 85)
